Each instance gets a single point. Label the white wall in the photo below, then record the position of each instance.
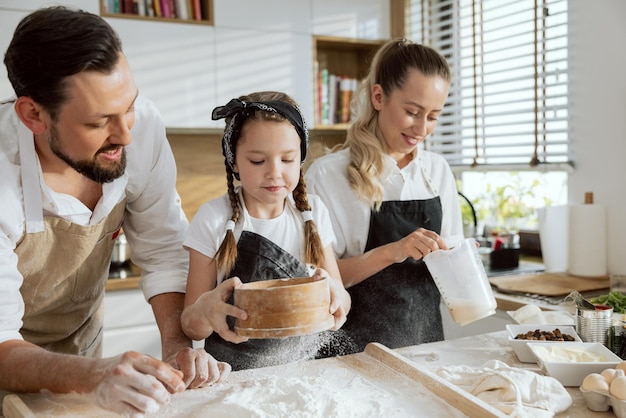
(597, 124)
(188, 69)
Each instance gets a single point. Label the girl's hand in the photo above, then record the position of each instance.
(340, 300)
(417, 244)
(199, 368)
(215, 309)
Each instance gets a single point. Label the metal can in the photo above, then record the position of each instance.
(593, 326)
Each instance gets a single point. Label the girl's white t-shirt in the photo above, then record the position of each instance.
(208, 227)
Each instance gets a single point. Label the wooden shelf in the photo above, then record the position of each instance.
(205, 5)
(348, 56)
(343, 57)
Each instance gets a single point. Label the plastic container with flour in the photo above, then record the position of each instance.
(462, 281)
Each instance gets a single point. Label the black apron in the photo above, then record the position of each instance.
(260, 259)
(398, 306)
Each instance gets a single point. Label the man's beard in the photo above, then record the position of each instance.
(89, 168)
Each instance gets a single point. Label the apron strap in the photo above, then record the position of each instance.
(247, 221)
(427, 178)
(31, 189)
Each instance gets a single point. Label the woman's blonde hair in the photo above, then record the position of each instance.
(226, 255)
(390, 69)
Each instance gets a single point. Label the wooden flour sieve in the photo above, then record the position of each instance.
(283, 307)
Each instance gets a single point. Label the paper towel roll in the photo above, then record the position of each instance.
(554, 237)
(587, 240)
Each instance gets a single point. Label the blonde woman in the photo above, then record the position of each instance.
(265, 228)
(392, 203)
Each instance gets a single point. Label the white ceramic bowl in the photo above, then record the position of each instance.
(521, 346)
(548, 318)
(572, 372)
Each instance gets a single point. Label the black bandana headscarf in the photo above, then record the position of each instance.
(239, 111)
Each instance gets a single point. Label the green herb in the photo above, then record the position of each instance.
(616, 300)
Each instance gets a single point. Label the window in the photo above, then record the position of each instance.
(507, 110)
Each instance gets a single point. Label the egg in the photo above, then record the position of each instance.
(595, 382)
(621, 366)
(618, 387)
(609, 374)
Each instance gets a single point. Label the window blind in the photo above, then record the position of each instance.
(508, 104)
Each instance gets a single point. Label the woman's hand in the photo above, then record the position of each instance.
(418, 244)
(340, 300)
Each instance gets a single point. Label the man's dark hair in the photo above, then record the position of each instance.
(53, 43)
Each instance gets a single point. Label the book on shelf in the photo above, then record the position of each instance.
(172, 9)
(140, 7)
(128, 7)
(325, 120)
(112, 6)
(317, 94)
(149, 8)
(166, 9)
(333, 97)
(197, 10)
(347, 91)
(333, 103)
(182, 11)
(156, 4)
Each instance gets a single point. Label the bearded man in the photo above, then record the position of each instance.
(81, 152)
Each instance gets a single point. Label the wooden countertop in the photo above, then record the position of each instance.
(122, 284)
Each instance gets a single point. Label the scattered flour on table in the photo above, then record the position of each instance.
(336, 392)
(304, 348)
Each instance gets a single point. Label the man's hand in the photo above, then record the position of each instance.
(134, 384)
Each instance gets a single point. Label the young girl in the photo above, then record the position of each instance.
(266, 228)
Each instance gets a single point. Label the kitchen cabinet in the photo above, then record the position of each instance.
(129, 324)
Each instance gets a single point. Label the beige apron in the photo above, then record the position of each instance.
(65, 270)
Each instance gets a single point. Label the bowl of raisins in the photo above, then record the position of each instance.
(520, 335)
